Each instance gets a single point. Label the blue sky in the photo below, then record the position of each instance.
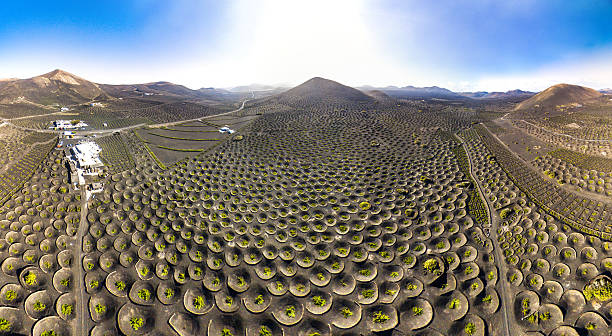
(459, 44)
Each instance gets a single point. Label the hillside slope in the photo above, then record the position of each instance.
(61, 88)
(560, 94)
(167, 90)
(55, 87)
(317, 89)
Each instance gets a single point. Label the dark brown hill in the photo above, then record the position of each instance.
(55, 87)
(166, 89)
(560, 94)
(318, 90)
(61, 88)
(156, 88)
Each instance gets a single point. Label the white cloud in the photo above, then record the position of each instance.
(355, 42)
(281, 41)
(594, 70)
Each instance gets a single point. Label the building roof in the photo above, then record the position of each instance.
(87, 154)
(68, 124)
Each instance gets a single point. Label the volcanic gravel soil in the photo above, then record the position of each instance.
(318, 217)
(558, 276)
(314, 223)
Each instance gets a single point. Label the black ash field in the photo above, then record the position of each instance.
(325, 211)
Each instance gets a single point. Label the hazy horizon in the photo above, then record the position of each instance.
(480, 45)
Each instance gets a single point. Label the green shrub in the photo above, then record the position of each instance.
(5, 325)
(67, 309)
(380, 317)
(319, 301)
(136, 323)
(30, 279)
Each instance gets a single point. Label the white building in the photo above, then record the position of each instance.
(84, 161)
(226, 129)
(68, 124)
(87, 156)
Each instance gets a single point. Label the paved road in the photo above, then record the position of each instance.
(199, 119)
(494, 219)
(104, 131)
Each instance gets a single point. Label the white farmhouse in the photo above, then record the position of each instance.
(68, 124)
(87, 156)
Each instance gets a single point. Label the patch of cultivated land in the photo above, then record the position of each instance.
(115, 154)
(21, 110)
(320, 216)
(525, 145)
(327, 238)
(201, 128)
(551, 268)
(234, 122)
(38, 225)
(170, 146)
(185, 135)
(559, 138)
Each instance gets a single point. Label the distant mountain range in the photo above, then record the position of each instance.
(412, 92)
(166, 89)
(59, 87)
(498, 95)
(259, 87)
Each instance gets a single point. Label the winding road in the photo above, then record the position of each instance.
(201, 118)
(104, 131)
(494, 220)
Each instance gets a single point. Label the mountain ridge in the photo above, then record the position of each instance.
(517, 93)
(59, 87)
